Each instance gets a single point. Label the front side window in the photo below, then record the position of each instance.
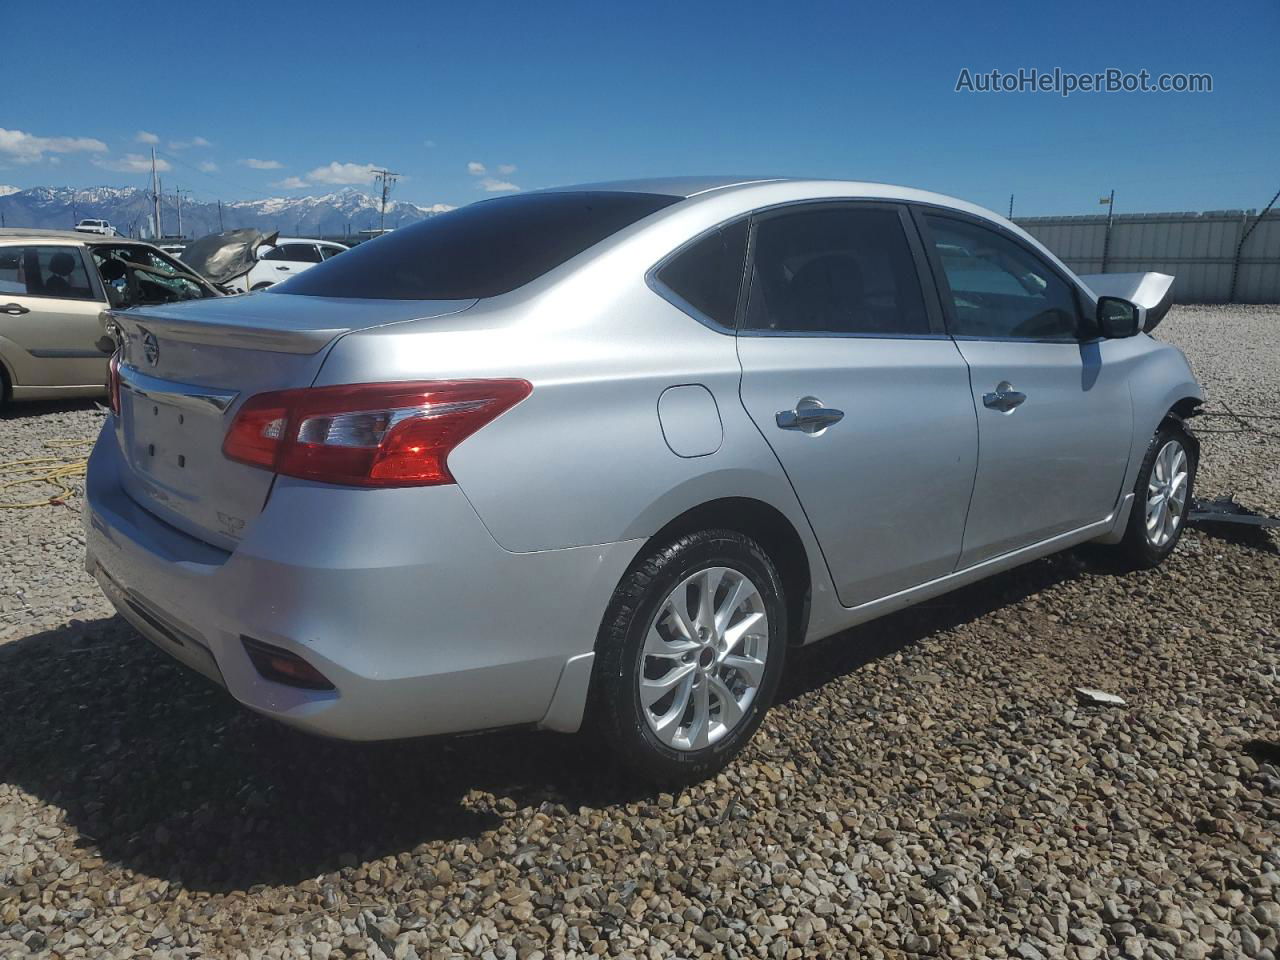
(481, 250)
(44, 271)
(707, 275)
(835, 270)
(999, 288)
(135, 275)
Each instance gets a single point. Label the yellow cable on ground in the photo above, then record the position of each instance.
(52, 471)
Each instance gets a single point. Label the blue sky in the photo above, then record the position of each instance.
(269, 96)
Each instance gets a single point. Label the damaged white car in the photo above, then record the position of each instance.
(248, 260)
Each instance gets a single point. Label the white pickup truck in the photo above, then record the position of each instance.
(96, 226)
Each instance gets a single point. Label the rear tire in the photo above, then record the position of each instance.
(678, 695)
(1162, 497)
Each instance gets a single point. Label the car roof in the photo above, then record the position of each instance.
(799, 187)
(21, 233)
(665, 186)
(32, 233)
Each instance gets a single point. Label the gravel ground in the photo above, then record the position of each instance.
(927, 785)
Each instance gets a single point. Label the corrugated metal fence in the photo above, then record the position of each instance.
(1199, 249)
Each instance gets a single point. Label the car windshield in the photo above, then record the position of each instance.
(134, 275)
(482, 250)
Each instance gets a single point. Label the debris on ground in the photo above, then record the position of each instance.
(1089, 695)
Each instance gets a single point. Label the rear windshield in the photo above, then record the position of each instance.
(482, 250)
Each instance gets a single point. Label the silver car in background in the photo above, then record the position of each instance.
(599, 456)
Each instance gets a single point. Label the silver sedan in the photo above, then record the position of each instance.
(598, 457)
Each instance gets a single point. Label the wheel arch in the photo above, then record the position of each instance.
(1178, 415)
(770, 528)
(6, 380)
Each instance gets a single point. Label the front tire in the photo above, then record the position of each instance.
(689, 656)
(1162, 497)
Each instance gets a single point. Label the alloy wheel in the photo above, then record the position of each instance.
(1166, 493)
(703, 658)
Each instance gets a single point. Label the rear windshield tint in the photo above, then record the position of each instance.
(482, 250)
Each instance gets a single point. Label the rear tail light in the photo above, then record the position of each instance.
(113, 382)
(367, 434)
(280, 666)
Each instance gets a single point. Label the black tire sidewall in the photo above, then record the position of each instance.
(635, 604)
(1141, 550)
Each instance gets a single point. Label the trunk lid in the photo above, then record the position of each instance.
(185, 369)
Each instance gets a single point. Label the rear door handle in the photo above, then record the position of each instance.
(1004, 398)
(14, 309)
(809, 415)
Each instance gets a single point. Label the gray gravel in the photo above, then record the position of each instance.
(928, 785)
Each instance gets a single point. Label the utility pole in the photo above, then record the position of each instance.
(387, 179)
(74, 219)
(221, 226)
(177, 196)
(155, 196)
(1106, 240)
(1011, 206)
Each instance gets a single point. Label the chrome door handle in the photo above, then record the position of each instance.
(1005, 398)
(14, 309)
(809, 415)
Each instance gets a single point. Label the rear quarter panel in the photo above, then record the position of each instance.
(583, 460)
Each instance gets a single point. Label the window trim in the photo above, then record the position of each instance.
(655, 283)
(924, 275)
(942, 286)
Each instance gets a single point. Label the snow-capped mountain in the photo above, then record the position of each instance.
(129, 209)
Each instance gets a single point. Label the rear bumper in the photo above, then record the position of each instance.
(400, 597)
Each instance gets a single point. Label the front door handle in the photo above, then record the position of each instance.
(1005, 398)
(282, 268)
(809, 415)
(14, 309)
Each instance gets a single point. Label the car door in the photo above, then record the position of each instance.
(49, 312)
(1055, 416)
(848, 374)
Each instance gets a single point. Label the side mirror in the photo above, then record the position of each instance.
(1118, 318)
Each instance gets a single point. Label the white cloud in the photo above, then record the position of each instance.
(22, 147)
(291, 183)
(506, 169)
(493, 185)
(132, 163)
(475, 168)
(148, 138)
(193, 142)
(439, 208)
(207, 166)
(348, 173)
(262, 164)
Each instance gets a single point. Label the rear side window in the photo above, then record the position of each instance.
(835, 271)
(44, 271)
(708, 274)
(482, 250)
